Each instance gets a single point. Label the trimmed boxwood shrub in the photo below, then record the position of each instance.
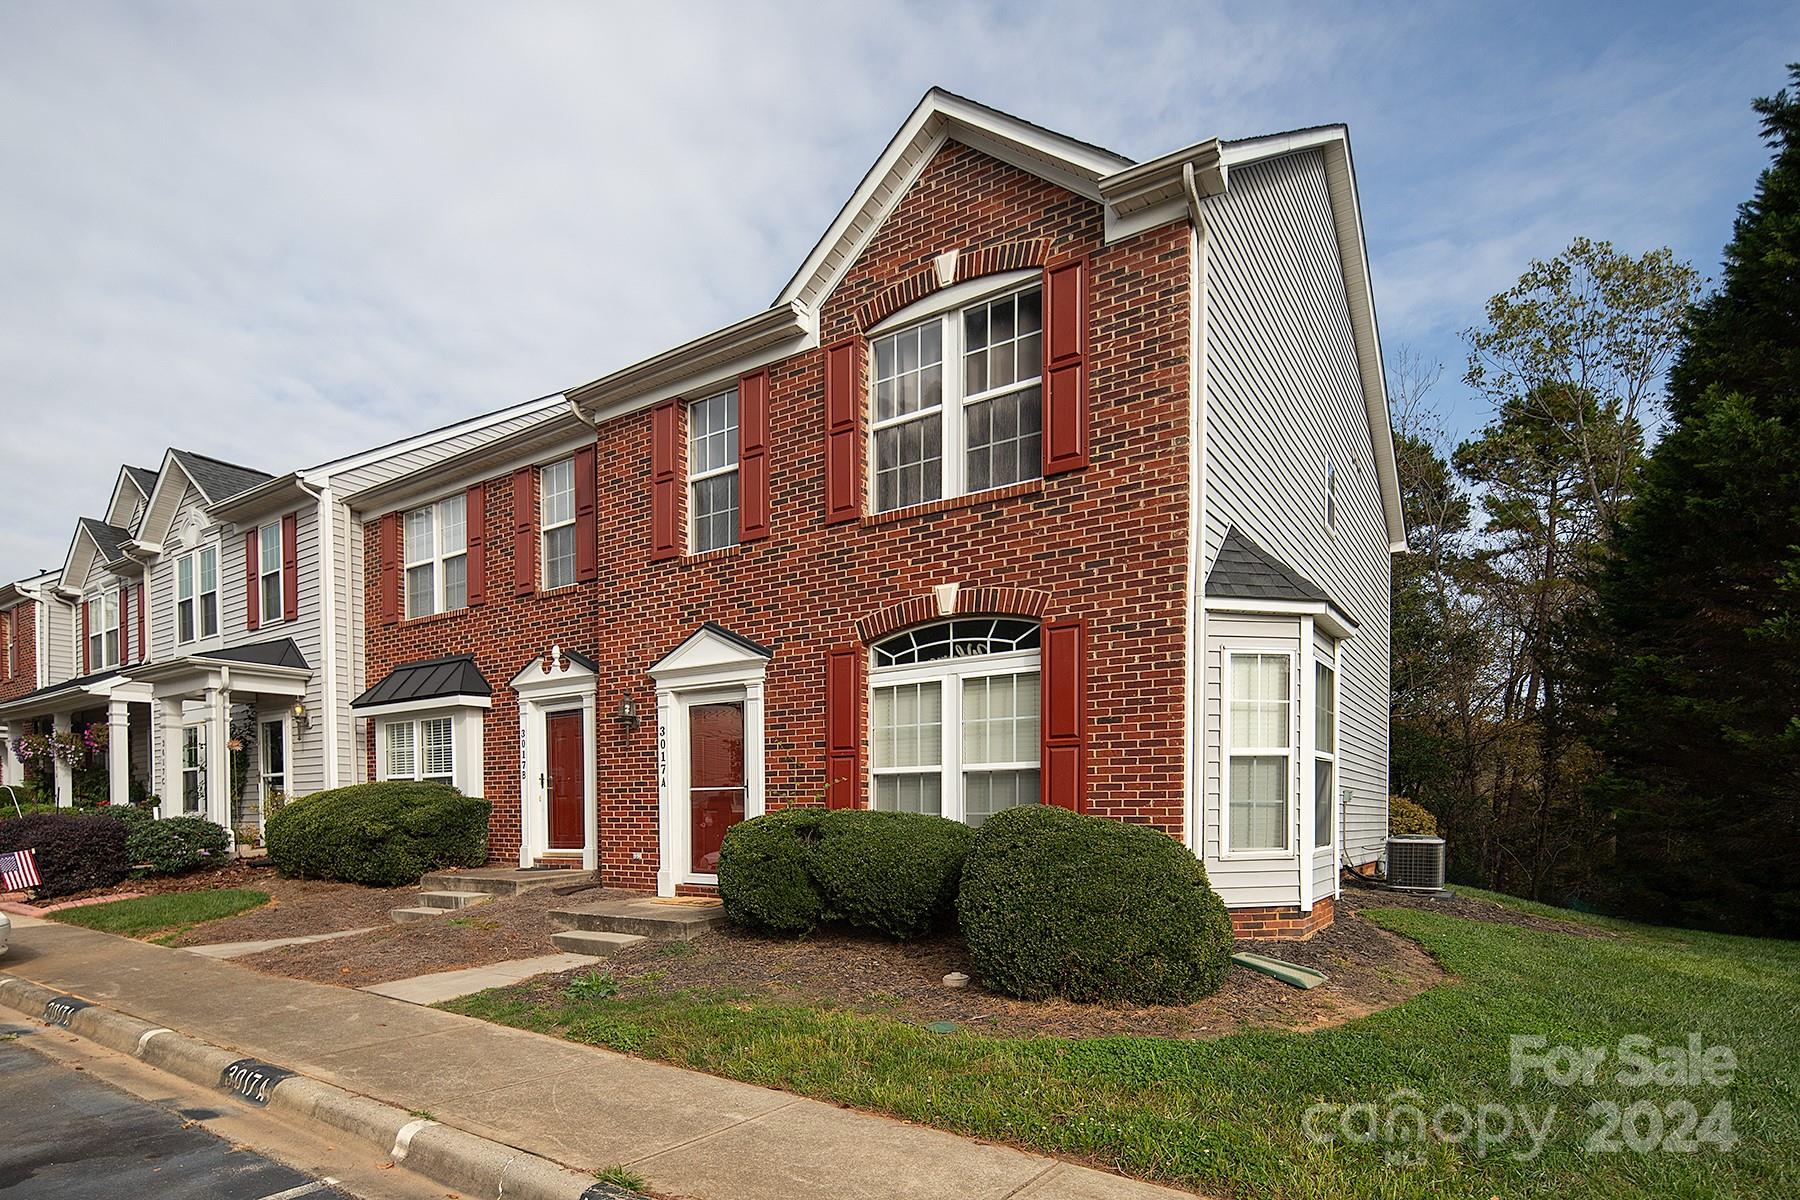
(1055, 903)
(74, 853)
(893, 872)
(763, 878)
(176, 844)
(790, 871)
(381, 834)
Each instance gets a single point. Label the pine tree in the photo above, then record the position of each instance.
(1702, 601)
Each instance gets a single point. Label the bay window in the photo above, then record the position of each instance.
(197, 594)
(556, 507)
(713, 472)
(437, 559)
(268, 568)
(954, 713)
(1324, 755)
(423, 749)
(958, 402)
(1259, 760)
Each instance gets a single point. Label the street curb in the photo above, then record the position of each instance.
(456, 1158)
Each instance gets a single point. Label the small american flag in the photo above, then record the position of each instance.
(18, 870)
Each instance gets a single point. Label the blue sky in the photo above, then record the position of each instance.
(280, 232)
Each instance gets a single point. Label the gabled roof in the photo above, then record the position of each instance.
(283, 652)
(217, 479)
(432, 679)
(109, 538)
(1245, 570)
(131, 489)
(144, 478)
(94, 541)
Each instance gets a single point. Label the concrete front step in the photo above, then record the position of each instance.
(641, 915)
(453, 899)
(407, 916)
(503, 881)
(593, 943)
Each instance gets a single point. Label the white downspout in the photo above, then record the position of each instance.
(328, 692)
(1194, 702)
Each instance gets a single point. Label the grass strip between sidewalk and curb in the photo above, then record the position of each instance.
(168, 915)
(449, 1156)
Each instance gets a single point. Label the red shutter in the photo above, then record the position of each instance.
(1064, 723)
(87, 649)
(665, 540)
(475, 538)
(753, 456)
(290, 567)
(843, 432)
(124, 625)
(587, 524)
(143, 644)
(252, 594)
(1066, 366)
(525, 531)
(843, 727)
(390, 568)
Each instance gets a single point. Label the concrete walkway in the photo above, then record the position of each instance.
(440, 986)
(243, 949)
(690, 1134)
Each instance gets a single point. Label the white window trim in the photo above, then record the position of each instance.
(950, 673)
(193, 555)
(545, 530)
(265, 615)
(262, 756)
(103, 629)
(383, 770)
(436, 561)
(203, 770)
(566, 686)
(1328, 662)
(730, 468)
(1226, 753)
(946, 308)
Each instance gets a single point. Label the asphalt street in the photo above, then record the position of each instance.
(65, 1135)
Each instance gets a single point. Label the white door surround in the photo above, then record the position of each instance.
(560, 681)
(712, 666)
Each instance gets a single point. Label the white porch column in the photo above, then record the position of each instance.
(118, 751)
(169, 713)
(9, 766)
(65, 775)
(218, 756)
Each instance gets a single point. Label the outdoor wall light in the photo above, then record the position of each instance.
(627, 711)
(302, 718)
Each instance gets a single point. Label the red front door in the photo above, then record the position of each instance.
(716, 783)
(563, 733)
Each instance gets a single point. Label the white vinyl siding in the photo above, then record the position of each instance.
(1284, 403)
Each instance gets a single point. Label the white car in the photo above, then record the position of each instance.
(5, 932)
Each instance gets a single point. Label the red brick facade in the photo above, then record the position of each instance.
(1106, 544)
(1282, 923)
(18, 643)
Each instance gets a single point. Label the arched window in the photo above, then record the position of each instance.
(953, 718)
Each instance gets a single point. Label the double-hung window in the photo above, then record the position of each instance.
(556, 508)
(103, 631)
(197, 594)
(713, 472)
(954, 719)
(958, 402)
(268, 568)
(437, 558)
(424, 749)
(1325, 720)
(1259, 761)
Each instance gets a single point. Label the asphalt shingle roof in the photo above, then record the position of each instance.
(217, 480)
(454, 675)
(1247, 571)
(110, 538)
(144, 477)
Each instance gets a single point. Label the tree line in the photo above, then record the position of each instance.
(1596, 674)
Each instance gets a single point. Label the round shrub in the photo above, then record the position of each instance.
(381, 834)
(763, 876)
(174, 845)
(1410, 817)
(1055, 903)
(74, 853)
(895, 873)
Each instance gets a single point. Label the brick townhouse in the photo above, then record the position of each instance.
(1049, 477)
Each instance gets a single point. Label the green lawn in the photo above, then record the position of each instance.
(169, 914)
(1229, 1116)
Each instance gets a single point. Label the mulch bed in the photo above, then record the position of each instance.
(298, 907)
(1467, 907)
(1369, 969)
(501, 930)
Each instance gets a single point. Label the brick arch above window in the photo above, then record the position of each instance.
(971, 263)
(970, 601)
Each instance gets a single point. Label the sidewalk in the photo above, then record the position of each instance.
(689, 1134)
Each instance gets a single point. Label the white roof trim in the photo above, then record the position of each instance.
(435, 704)
(565, 674)
(710, 655)
(769, 336)
(1353, 259)
(322, 473)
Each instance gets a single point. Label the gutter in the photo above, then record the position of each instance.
(327, 536)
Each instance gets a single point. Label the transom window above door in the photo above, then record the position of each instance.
(953, 724)
(957, 401)
(437, 558)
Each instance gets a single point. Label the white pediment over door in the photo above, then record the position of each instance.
(712, 652)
